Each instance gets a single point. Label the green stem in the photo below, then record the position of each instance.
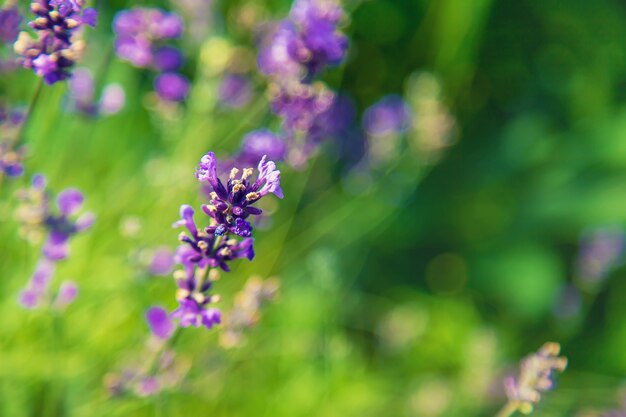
(31, 107)
(508, 409)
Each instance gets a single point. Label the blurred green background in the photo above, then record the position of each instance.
(407, 290)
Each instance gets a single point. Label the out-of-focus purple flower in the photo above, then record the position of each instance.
(159, 321)
(113, 99)
(171, 86)
(37, 212)
(83, 95)
(68, 291)
(10, 20)
(600, 251)
(140, 30)
(536, 376)
(162, 262)
(235, 91)
(274, 57)
(61, 227)
(320, 43)
(390, 115)
(304, 44)
(10, 161)
(261, 142)
(300, 104)
(168, 58)
(148, 386)
(10, 157)
(36, 289)
(56, 48)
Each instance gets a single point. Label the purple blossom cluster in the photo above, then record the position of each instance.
(306, 42)
(296, 51)
(535, 376)
(235, 91)
(83, 95)
(227, 237)
(56, 47)
(388, 116)
(59, 224)
(11, 157)
(10, 21)
(142, 34)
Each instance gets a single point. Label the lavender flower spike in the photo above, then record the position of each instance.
(56, 48)
(535, 377)
(232, 204)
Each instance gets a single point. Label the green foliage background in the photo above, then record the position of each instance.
(406, 295)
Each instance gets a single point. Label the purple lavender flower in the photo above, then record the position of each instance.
(306, 43)
(387, 116)
(56, 48)
(300, 104)
(536, 376)
(168, 58)
(160, 324)
(162, 262)
(60, 225)
(83, 95)
(10, 156)
(261, 142)
(601, 250)
(208, 248)
(113, 99)
(232, 204)
(37, 288)
(139, 32)
(235, 91)
(10, 20)
(68, 291)
(203, 250)
(193, 313)
(171, 86)
(319, 43)
(275, 58)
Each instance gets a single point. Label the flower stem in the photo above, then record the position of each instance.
(509, 409)
(31, 107)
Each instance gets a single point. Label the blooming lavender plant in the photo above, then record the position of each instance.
(57, 45)
(535, 377)
(305, 43)
(141, 34)
(215, 246)
(297, 50)
(59, 225)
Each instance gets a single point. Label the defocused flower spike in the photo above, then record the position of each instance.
(535, 376)
(40, 217)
